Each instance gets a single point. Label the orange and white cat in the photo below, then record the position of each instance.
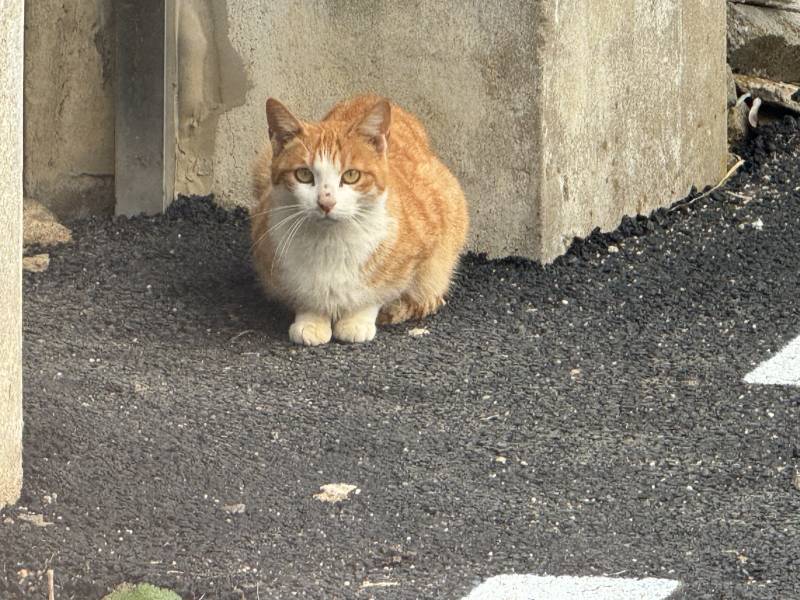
(357, 220)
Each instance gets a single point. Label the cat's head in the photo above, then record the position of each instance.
(331, 170)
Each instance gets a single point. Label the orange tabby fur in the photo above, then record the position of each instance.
(419, 233)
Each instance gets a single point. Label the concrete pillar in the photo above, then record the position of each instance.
(631, 110)
(11, 67)
(146, 71)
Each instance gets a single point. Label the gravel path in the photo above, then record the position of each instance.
(586, 418)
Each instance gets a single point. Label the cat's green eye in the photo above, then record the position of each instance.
(351, 176)
(304, 175)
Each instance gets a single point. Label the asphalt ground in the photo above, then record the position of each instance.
(585, 418)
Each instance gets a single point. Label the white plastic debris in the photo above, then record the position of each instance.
(335, 492)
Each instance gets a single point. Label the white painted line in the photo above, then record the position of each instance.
(781, 369)
(532, 587)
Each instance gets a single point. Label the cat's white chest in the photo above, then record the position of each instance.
(322, 267)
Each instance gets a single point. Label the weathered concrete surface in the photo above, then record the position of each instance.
(633, 111)
(69, 105)
(732, 94)
(11, 69)
(764, 40)
(738, 123)
(466, 68)
(211, 81)
(556, 116)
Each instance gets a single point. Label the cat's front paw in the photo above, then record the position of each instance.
(310, 331)
(355, 331)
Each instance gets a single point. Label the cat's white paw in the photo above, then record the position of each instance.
(355, 331)
(310, 332)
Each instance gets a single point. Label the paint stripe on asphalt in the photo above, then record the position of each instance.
(532, 587)
(781, 369)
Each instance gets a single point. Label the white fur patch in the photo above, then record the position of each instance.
(320, 260)
(328, 177)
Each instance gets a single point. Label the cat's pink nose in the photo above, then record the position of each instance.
(326, 203)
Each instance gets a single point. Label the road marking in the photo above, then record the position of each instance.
(532, 587)
(781, 369)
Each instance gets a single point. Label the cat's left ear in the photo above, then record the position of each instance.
(375, 125)
(283, 125)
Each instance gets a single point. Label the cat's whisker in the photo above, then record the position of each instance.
(278, 209)
(285, 207)
(284, 220)
(258, 241)
(290, 227)
(274, 209)
(288, 240)
(358, 219)
(357, 222)
(272, 229)
(293, 234)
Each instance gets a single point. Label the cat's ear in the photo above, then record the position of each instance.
(283, 125)
(375, 125)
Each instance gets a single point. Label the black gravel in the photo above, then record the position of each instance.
(584, 418)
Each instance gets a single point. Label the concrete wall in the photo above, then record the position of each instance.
(466, 68)
(211, 82)
(69, 105)
(556, 116)
(634, 108)
(11, 68)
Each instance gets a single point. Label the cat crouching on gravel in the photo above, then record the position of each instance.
(357, 223)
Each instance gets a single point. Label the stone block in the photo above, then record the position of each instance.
(764, 39)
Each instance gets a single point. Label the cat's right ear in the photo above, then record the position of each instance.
(375, 125)
(283, 126)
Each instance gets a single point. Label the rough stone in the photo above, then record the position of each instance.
(37, 263)
(40, 226)
(335, 492)
(557, 117)
(765, 41)
(732, 95)
(34, 519)
(69, 105)
(738, 124)
(11, 68)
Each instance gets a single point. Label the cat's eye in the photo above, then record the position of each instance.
(304, 175)
(351, 176)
